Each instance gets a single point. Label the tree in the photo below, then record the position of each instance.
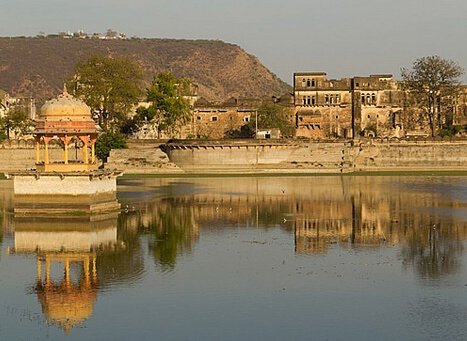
(107, 141)
(110, 86)
(269, 116)
(170, 108)
(16, 121)
(434, 82)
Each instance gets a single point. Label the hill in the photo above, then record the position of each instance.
(37, 67)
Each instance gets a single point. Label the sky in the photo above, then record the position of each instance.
(341, 37)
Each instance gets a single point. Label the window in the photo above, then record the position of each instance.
(331, 99)
(308, 83)
(363, 98)
(373, 98)
(308, 100)
(303, 82)
(213, 118)
(304, 100)
(313, 100)
(326, 99)
(246, 119)
(338, 99)
(198, 118)
(313, 83)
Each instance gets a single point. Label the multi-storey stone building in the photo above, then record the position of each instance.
(8, 103)
(348, 107)
(220, 120)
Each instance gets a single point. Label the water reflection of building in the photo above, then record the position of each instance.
(66, 249)
(351, 211)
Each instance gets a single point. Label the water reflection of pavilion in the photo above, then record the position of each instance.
(66, 249)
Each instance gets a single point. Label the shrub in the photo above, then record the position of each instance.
(107, 141)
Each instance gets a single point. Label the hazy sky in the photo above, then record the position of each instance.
(340, 37)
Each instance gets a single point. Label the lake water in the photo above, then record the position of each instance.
(244, 258)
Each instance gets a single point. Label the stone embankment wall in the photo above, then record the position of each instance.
(258, 156)
(318, 157)
(266, 156)
(409, 155)
(142, 156)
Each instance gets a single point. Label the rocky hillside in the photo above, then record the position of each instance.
(37, 67)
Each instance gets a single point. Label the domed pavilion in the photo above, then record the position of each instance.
(65, 182)
(69, 120)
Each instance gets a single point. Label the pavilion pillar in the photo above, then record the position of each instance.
(46, 156)
(37, 141)
(93, 151)
(65, 140)
(86, 271)
(39, 269)
(47, 270)
(85, 150)
(94, 270)
(67, 272)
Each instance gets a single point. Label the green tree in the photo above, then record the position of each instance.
(170, 108)
(107, 141)
(110, 86)
(434, 82)
(16, 121)
(269, 116)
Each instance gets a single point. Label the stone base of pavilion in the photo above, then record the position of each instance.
(91, 192)
(65, 234)
(71, 166)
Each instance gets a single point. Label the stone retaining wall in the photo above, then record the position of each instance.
(319, 157)
(280, 156)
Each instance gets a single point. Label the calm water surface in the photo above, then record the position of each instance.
(298, 258)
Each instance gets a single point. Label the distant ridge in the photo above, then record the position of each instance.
(37, 67)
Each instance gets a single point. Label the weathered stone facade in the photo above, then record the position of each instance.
(8, 103)
(346, 107)
(219, 120)
(373, 106)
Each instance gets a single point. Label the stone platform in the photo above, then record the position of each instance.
(72, 193)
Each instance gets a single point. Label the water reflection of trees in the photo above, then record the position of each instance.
(173, 231)
(122, 264)
(433, 250)
(171, 227)
(320, 212)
